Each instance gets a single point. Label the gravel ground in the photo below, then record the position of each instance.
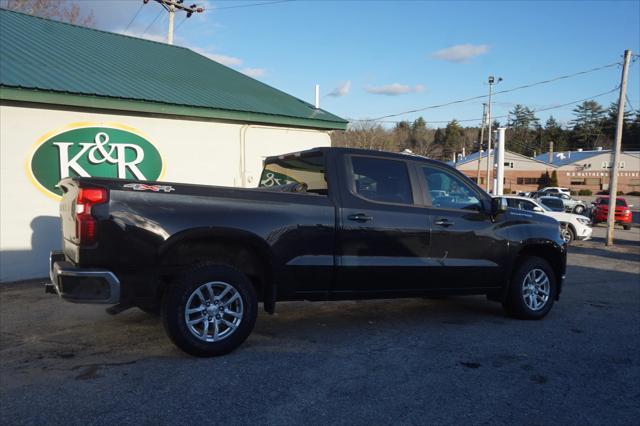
(411, 361)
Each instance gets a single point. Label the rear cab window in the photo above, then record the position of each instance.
(307, 168)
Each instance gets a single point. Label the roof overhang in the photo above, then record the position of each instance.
(128, 105)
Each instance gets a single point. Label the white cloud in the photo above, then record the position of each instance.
(230, 61)
(394, 89)
(253, 72)
(341, 89)
(461, 52)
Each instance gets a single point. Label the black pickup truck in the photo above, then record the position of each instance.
(324, 224)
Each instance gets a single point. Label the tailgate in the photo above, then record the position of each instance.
(70, 190)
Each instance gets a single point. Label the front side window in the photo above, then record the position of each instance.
(382, 180)
(449, 191)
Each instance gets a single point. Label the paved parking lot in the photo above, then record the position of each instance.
(417, 361)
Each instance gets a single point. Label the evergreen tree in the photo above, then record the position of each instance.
(554, 178)
(587, 126)
(545, 180)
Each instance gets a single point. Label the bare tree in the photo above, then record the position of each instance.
(59, 10)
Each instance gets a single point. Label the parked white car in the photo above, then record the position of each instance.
(548, 189)
(573, 226)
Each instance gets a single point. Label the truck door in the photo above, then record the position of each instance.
(464, 245)
(383, 232)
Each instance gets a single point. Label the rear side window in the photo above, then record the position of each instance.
(382, 180)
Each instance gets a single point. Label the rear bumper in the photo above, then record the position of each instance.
(79, 285)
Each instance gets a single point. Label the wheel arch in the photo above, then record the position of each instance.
(244, 250)
(551, 252)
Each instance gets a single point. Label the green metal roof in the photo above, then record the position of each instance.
(52, 62)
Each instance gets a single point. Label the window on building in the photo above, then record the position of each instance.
(527, 181)
(382, 180)
(575, 182)
(508, 164)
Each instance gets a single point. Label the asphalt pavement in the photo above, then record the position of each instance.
(411, 361)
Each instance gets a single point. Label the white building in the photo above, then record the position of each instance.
(77, 101)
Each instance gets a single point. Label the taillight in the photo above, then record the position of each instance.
(86, 224)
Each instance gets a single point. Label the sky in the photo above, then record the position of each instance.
(378, 58)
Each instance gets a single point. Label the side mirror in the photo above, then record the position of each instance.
(498, 205)
(538, 209)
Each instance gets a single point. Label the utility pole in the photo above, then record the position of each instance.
(499, 187)
(171, 6)
(550, 155)
(615, 154)
(484, 118)
(172, 11)
(489, 165)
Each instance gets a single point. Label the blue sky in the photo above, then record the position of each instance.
(384, 57)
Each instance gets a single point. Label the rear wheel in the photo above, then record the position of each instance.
(626, 227)
(210, 310)
(532, 290)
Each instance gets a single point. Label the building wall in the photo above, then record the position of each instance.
(204, 152)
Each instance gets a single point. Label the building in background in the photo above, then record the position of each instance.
(575, 169)
(590, 169)
(76, 101)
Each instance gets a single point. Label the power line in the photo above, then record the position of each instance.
(134, 17)
(151, 24)
(502, 116)
(249, 5)
(526, 86)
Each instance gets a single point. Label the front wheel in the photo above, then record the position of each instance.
(210, 310)
(532, 290)
(568, 234)
(579, 210)
(626, 227)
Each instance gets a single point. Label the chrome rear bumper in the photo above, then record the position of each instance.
(79, 285)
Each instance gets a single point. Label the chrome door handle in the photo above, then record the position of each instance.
(359, 217)
(443, 222)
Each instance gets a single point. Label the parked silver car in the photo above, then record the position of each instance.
(571, 205)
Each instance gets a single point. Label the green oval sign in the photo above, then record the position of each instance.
(94, 151)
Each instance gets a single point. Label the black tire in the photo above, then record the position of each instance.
(515, 304)
(177, 296)
(579, 209)
(626, 227)
(568, 234)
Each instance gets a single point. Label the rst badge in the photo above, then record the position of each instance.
(145, 187)
(93, 150)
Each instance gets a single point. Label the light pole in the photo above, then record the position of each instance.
(489, 165)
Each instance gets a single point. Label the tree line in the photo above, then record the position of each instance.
(592, 126)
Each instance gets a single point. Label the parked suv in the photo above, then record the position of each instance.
(573, 226)
(622, 214)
